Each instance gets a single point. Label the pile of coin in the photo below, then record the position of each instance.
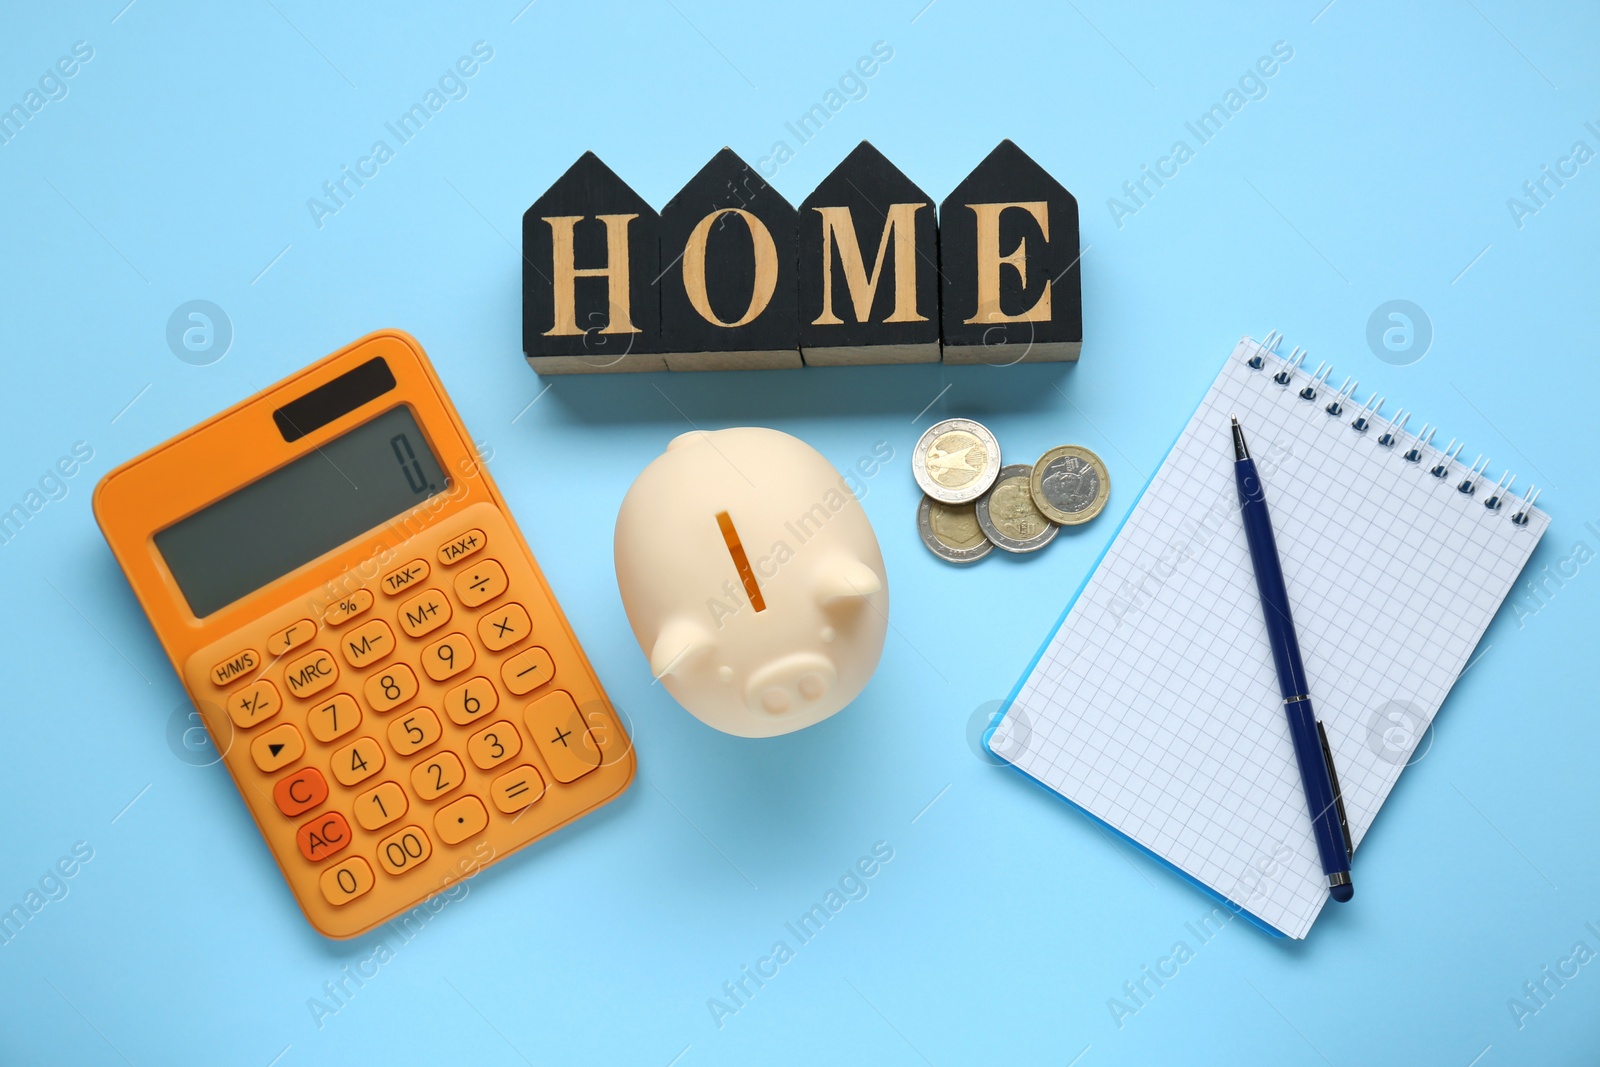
(973, 504)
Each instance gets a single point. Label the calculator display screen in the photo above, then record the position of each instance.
(298, 512)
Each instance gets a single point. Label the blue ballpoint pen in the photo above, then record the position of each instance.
(1311, 751)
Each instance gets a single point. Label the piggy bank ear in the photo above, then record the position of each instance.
(679, 642)
(845, 578)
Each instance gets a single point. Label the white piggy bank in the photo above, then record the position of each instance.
(752, 580)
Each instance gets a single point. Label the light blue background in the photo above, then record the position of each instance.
(1378, 166)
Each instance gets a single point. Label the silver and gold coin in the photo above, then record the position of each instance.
(951, 531)
(1009, 516)
(956, 461)
(1070, 485)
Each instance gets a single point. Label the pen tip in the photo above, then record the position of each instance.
(1234, 419)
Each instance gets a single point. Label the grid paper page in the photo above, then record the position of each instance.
(1155, 705)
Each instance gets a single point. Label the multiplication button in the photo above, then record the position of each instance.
(504, 626)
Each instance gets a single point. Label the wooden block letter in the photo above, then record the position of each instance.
(728, 296)
(1008, 242)
(590, 252)
(868, 267)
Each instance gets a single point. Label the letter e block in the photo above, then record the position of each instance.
(1008, 242)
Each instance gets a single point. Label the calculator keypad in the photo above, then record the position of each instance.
(435, 726)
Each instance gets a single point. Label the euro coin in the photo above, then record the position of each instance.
(1070, 485)
(951, 531)
(1008, 515)
(956, 461)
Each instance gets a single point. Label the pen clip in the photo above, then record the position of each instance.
(1338, 794)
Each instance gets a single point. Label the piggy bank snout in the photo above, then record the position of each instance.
(794, 682)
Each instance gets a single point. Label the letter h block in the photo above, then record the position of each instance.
(590, 257)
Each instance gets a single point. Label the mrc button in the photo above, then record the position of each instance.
(311, 674)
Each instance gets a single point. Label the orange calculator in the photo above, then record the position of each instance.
(365, 633)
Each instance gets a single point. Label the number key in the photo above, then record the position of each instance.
(494, 745)
(335, 718)
(419, 729)
(481, 583)
(380, 806)
(472, 699)
(405, 850)
(392, 688)
(344, 882)
(357, 761)
(504, 627)
(438, 776)
(448, 657)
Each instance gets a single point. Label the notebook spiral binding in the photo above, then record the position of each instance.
(1443, 462)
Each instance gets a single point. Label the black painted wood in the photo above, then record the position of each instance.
(1008, 243)
(849, 313)
(574, 318)
(728, 293)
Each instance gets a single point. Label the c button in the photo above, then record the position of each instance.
(300, 792)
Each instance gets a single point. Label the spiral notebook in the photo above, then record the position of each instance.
(1154, 705)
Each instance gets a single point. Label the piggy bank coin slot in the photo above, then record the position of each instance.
(741, 562)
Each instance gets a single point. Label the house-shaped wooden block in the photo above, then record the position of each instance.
(590, 256)
(869, 269)
(728, 291)
(1008, 246)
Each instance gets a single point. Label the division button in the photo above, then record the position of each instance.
(481, 582)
